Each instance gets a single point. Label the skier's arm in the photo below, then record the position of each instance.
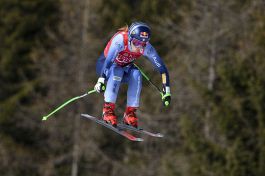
(159, 65)
(116, 46)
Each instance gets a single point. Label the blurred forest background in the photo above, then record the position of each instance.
(215, 54)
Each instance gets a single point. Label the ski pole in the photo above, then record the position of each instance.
(165, 98)
(148, 79)
(66, 103)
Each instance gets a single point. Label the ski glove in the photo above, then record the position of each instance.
(166, 96)
(100, 86)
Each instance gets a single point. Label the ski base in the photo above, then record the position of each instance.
(139, 130)
(117, 129)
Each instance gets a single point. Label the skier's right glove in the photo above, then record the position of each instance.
(100, 86)
(166, 96)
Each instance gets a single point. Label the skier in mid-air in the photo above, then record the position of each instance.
(115, 66)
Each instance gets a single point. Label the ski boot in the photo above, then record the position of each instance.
(130, 118)
(109, 114)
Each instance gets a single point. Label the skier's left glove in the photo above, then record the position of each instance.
(166, 96)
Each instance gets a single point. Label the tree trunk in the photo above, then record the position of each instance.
(82, 56)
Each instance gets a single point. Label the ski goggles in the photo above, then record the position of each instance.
(138, 43)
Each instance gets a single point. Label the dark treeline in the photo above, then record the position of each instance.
(215, 54)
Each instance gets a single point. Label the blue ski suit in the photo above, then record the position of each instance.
(115, 65)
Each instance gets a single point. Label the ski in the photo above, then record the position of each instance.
(139, 130)
(115, 129)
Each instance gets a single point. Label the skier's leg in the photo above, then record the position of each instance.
(134, 88)
(115, 74)
(114, 77)
(134, 80)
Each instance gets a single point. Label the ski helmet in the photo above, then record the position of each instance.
(139, 31)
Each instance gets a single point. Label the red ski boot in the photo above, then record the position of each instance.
(130, 118)
(109, 114)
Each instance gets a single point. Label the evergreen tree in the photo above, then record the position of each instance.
(23, 29)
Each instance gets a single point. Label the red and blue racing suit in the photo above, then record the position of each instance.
(115, 64)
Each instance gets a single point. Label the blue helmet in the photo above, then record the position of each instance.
(139, 31)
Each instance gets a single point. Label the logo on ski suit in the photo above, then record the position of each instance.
(124, 57)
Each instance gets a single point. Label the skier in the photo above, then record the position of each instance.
(115, 66)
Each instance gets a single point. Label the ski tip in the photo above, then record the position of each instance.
(159, 135)
(44, 118)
